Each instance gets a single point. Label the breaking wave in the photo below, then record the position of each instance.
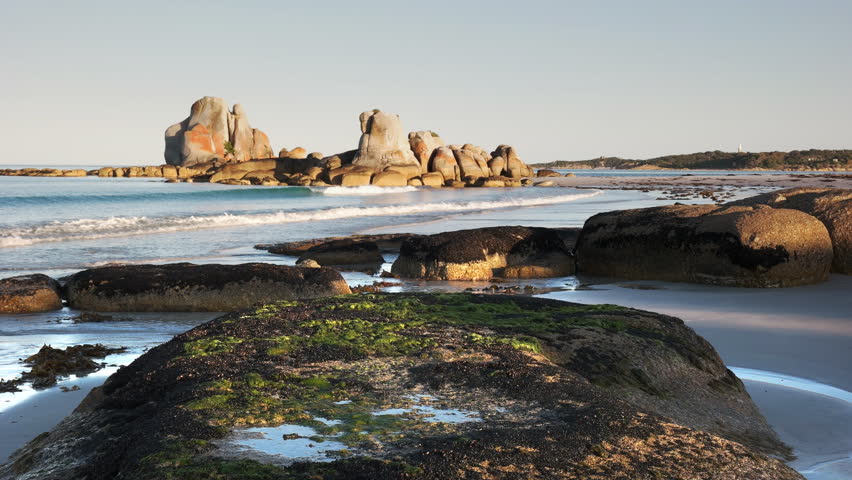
(94, 228)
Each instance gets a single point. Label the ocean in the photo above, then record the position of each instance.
(58, 226)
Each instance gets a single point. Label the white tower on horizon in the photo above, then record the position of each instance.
(740, 149)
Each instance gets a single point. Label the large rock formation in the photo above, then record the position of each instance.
(29, 294)
(484, 253)
(185, 287)
(383, 143)
(732, 246)
(212, 132)
(418, 387)
(831, 206)
(423, 144)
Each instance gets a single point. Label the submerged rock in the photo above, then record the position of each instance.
(418, 387)
(831, 206)
(50, 363)
(29, 294)
(733, 246)
(185, 287)
(386, 242)
(347, 254)
(480, 254)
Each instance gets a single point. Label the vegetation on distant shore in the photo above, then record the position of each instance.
(717, 160)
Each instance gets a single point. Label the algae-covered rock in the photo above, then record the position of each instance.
(414, 386)
(185, 287)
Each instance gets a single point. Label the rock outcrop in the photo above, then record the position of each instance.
(732, 246)
(831, 206)
(212, 132)
(418, 387)
(383, 143)
(185, 287)
(547, 173)
(29, 294)
(484, 253)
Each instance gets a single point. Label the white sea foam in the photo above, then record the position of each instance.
(94, 228)
(362, 190)
(789, 381)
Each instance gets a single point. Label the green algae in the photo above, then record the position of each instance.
(210, 346)
(270, 310)
(462, 309)
(258, 401)
(357, 336)
(520, 342)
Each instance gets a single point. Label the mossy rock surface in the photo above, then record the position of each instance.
(386, 386)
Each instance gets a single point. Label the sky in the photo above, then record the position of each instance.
(98, 82)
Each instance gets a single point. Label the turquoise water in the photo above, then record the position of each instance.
(60, 225)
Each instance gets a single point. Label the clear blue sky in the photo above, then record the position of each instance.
(97, 82)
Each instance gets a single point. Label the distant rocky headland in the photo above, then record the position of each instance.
(797, 160)
(218, 145)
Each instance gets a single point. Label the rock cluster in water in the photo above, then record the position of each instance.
(418, 387)
(218, 145)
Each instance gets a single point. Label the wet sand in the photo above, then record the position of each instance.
(803, 332)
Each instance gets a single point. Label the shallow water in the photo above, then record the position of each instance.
(312, 446)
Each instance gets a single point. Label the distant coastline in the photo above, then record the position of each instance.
(796, 160)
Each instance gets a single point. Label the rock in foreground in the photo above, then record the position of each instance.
(417, 387)
(484, 253)
(733, 246)
(29, 294)
(185, 287)
(831, 206)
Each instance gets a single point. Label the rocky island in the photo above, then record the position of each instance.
(217, 144)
